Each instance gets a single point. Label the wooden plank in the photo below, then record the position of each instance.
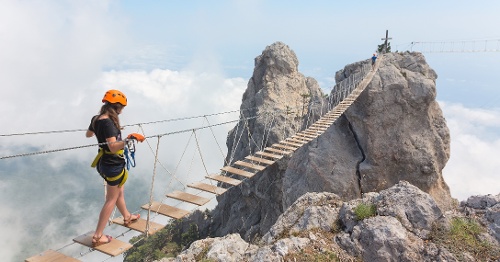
(225, 179)
(190, 198)
(140, 225)
(261, 153)
(250, 165)
(277, 151)
(316, 128)
(260, 160)
(321, 125)
(307, 135)
(296, 144)
(208, 188)
(237, 171)
(51, 256)
(298, 140)
(113, 248)
(166, 210)
(312, 133)
(285, 147)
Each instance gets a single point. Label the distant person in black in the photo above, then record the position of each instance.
(110, 161)
(374, 58)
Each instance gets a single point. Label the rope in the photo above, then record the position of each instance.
(199, 151)
(137, 124)
(152, 186)
(354, 82)
(217, 142)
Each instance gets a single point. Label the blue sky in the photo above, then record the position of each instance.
(186, 58)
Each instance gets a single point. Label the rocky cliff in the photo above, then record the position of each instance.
(401, 223)
(370, 188)
(394, 131)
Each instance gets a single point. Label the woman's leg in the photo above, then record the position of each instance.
(112, 195)
(122, 206)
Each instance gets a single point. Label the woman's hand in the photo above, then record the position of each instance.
(136, 136)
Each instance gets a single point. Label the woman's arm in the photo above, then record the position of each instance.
(114, 145)
(89, 133)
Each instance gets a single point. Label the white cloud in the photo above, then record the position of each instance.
(474, 163)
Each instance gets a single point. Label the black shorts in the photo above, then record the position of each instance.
(114, 175)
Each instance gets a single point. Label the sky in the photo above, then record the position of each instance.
(190, 58)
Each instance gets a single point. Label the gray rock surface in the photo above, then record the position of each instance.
(394, 131)
(382, 239)
(275, 93)
(312, 210)
(321, 223)
(415, 209)
(227, 248)
(487, 209)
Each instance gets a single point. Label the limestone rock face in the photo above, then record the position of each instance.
(279, 94)
(321, 223)
(394, 131)
(284, 100)
(487, 210)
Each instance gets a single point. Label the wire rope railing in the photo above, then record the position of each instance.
(341, 91)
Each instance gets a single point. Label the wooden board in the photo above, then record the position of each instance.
(307, 135)
(208, 188)
(300, 138)
(51, 256)
(320, 125)
(237, 171)
(114, 248)
(260, 153)
(140, 225)
(250, 165)
(285, 147)
(316, 128)
(260, 160)
(190, 198)
(225, 179)
(166, 210)
(312, 133)
(277, 151)
(289, 142)
(297, 140)
(325, 122)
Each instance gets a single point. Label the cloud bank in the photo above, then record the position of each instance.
(473, 168)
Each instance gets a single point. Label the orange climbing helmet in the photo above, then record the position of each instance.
(114, 96)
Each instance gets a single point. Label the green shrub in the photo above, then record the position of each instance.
(167, 242)
(364, 210)
(463, 236)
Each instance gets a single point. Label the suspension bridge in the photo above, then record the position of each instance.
(460, 46)
(231, 175)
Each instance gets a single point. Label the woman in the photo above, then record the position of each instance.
(110, 161)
